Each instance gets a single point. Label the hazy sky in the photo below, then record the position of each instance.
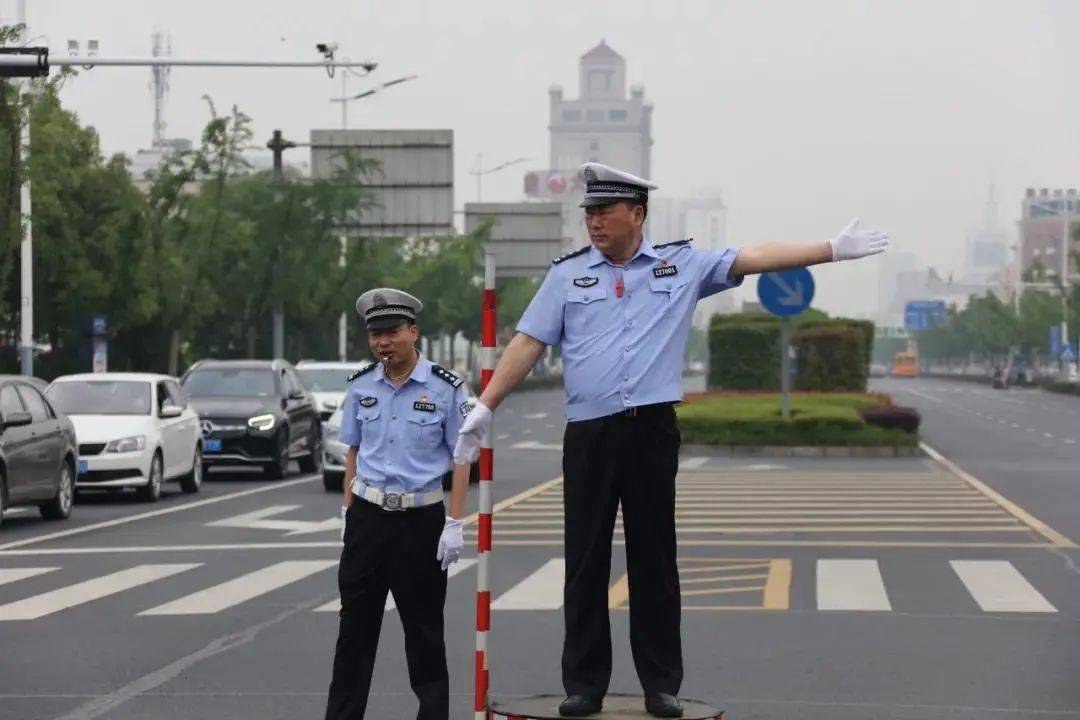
(803, 114)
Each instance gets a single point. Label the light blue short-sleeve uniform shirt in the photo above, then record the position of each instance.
(405, 436)
(623, 352)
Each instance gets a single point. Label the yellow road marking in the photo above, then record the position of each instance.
(723, 578)
(514, 499)
(778, 585)
(723, 591)
(1008, 505)
(720, 568)
(619, 592)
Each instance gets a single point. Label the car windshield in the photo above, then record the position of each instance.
(237, 382)
(324, 379)
(101, 397)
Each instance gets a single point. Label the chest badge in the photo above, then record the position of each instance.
(585, 282)
(665, 270)
(368, 401)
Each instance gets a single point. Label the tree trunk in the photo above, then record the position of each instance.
(251, 342)
(174, 352)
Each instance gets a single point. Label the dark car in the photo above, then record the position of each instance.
(38, 451)
(255, 412)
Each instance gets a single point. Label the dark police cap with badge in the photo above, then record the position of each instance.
(385, 308)
(605, 185)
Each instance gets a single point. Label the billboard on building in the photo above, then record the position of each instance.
(412, 187)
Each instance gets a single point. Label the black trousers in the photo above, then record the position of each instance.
(395, 552)
(632, 460)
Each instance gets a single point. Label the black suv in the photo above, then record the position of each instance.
(255, 412)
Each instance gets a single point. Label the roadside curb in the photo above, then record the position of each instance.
(803, 451)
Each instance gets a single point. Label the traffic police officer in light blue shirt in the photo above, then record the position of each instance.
(621, 308)
(400, 418)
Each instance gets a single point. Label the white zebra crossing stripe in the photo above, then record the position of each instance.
(997, 586)
(84, 592)
(459, 567)
(241, 589)
(8, 575)
(692, 463)
(543, 590)
(844, 584)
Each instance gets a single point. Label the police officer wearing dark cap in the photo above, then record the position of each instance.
(621, 308)
(400, 419)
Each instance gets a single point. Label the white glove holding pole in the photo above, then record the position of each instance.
(473, 431)
(450, 543)
(344, 510)
(853, 243)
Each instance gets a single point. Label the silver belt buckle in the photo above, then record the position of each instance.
(393, 502)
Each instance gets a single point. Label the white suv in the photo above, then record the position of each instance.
(326, 382)
(134, 430)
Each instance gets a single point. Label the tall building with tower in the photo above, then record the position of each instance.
(604, 124)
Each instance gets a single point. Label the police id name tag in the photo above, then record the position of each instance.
(424, 406)
(665, 271)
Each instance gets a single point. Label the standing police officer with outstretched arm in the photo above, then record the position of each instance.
(621, 308)
(400, 418)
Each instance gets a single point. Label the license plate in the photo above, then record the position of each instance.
(84, 467)
(212, 445)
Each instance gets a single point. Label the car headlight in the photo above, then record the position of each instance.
(128, 444)
(262, 422)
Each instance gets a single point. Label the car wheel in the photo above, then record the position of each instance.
(191, 482)
(59, 507)
(332, 481)
(151, 491)
(312, 463)
(279, 468)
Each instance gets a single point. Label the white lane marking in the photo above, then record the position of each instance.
(763, 466)
(9, 575)
(1046, 434)
(156, 513)
(241, 589)
(535, 416)
(543, 590)
(533, 445)
(257, 520)
(922, 395)
(850, 585)
(1001, 422)
(502, 437)
(67, 597)
(692, 463)
(997, 586)
(1070, 441)
(1031, 429)
(457, 568)
(1015, 425)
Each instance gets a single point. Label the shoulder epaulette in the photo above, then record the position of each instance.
(567, 256)
(446, 376)
(687, 241)
(360, 372)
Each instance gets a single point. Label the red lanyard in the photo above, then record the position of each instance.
(618, 280)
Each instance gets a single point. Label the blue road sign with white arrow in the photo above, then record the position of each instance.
(787, 292)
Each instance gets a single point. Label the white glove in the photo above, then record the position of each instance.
(853, 243)
(343, 511)
(473, 430)
(450, 543)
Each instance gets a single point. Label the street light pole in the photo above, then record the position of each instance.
(26, 249)
(480, 172)
(279, 145)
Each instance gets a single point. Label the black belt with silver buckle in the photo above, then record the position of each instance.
(643, 410)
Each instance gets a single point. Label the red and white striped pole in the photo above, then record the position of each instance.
(487, 466)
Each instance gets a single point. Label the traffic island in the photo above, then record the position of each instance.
(820, 425)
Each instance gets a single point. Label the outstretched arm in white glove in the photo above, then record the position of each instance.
(852, 243)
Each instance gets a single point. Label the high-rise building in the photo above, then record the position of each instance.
(987, 248)
(603, 124)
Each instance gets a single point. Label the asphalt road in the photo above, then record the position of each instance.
(812, 588)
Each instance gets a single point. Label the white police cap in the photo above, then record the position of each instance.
(605, 185)
(384, 308)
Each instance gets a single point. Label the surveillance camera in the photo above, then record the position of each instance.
(369, 65)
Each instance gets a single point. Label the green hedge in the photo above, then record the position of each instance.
(744, 354)
(826, 420)
(1062, 386)
(831, 358)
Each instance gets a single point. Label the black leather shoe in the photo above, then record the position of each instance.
(663, 705)
(580, 706)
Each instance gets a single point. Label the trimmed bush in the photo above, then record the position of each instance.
(744, 354)
(831, 358)
(891, 417)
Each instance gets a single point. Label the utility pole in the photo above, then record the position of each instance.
(279, 145)
(26, 249)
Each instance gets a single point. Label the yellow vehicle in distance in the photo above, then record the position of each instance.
(906, 364)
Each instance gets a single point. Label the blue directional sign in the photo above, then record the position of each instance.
(1055, 340)
(924, 314)
(787, 292)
